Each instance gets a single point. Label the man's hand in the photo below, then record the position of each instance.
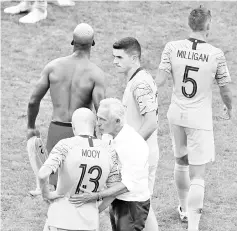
(80, 199)
(32, 132)
(51, 196)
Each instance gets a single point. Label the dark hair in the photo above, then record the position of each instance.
(198, 18)
(130, 45)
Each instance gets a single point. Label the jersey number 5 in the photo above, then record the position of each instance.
(187, 79)
(94, 180)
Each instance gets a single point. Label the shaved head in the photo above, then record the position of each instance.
(83, 122)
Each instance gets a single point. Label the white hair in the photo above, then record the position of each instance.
(114, 107)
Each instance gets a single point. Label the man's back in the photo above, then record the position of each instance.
(194, 65)
(72, 81)
(84, 162)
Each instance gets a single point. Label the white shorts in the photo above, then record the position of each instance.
(196, 143)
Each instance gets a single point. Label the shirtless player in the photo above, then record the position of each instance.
(74, 82)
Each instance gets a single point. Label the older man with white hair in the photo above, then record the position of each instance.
(131, 197)
(83, 162)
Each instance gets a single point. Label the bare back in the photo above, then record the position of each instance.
(74, 83)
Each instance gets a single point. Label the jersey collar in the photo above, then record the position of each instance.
(196, 40)
(138, 69)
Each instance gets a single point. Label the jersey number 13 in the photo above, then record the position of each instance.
(93, 180)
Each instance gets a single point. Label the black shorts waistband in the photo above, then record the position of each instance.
(64, 124)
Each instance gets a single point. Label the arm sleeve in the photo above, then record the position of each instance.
(57, 156)
(114, 175)
(165, 63)
(222, 74)
(146, 98)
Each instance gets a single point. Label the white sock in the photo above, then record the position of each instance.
(195, 203)
(41, 5)
(182, 182)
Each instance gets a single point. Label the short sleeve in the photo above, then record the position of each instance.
(57, 156)
(222, 74)
(165, 63)
(114, 175)
(145, 97)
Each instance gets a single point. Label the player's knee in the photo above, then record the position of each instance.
(182, 160)
(197, 171)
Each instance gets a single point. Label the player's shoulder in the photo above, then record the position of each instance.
(143, 78)
(97, 73)
(175, 43)
(102, 144)
(215, 50)
(56, 63)
(69, 142)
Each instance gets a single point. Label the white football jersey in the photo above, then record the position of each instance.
(81, 162)
(140, 97)
(193, 64)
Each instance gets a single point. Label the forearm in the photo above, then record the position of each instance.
(147, 129)
(43, 177)
(105, 203)
(114, 191)
(32, 112)
(226, 96)
(161, 78)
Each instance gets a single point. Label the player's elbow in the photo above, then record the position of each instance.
(151, 122)
(33, 102)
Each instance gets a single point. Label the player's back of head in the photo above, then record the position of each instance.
(199, 18)
(83, 36)
(130, 45)
(83, 122)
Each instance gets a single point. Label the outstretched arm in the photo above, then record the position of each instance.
(39, 92)
(99, 89)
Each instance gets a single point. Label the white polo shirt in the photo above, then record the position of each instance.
(133, 153)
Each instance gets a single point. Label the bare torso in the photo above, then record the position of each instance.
(72, 80)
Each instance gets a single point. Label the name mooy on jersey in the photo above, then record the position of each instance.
(90, 153)
(192, 55)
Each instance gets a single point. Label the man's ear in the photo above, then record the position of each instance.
(117, 121)
(135, 58)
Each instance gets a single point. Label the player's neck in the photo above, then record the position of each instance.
(198, 35)
(81, 53)
(132, 71)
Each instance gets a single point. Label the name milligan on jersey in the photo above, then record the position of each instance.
(192, 55)
(90, 153)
